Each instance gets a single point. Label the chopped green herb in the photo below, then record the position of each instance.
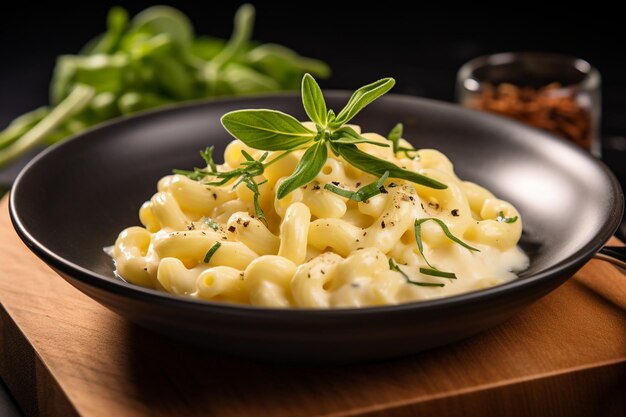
(364, 193)
(250, 168)
(394, 137)
(437, 273)
(207, 155)
(211, 252)
(254, 187)
(503, 219)
(394, 267)
(211, 223)
(418, 237)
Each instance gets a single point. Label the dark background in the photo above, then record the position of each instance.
(422, 49)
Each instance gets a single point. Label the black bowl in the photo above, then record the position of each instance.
(75, 198)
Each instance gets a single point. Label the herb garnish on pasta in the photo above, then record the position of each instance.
(319, 214)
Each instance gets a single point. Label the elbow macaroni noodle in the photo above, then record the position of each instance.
(318, 249)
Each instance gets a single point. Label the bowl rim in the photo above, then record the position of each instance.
(139, 293)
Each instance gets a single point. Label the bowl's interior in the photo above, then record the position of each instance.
(78, 196)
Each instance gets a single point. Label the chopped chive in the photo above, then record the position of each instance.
(420, 246)
(364, 193)
(254, 187)
(503, 219)
(446, 231)
(437, 273)
(250, 169)
(394, 267)
(211, 252)
(418, 238)
(207, 155)
(394, 137)
(211, 223)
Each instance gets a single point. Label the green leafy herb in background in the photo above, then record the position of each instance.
(153, 60)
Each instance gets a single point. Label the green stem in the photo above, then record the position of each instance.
(76, 101)
(21, 125)
(279, 157)
(242, 33)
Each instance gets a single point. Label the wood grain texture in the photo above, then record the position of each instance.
(62, 354)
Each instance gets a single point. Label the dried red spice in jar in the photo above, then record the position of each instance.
(550, 108)
(558, 93)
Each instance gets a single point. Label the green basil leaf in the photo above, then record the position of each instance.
(330, 118)
(361, 98)
(267, 130)
(369, 163)
(309, 166)
(313, 100)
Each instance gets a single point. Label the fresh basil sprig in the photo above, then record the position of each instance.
(361, 98)
(271, 130)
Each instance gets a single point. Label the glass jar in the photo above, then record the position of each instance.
(557, 93)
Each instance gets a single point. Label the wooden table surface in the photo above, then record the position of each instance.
(62, 354)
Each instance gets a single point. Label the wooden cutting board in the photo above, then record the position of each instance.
(62, 354)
